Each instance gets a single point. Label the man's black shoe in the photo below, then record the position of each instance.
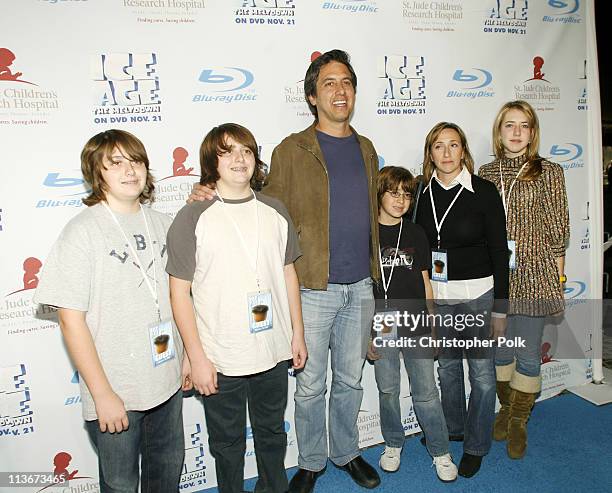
(362, 473)
(451, 438)
(303, 481)
(469, 465)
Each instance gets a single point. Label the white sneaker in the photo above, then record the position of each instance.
(445, 469)
(390, 459)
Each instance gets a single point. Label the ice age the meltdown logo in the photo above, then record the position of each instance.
(126, 88)
(265, 12)
(401, 85)
(507, 17)
(16, 415)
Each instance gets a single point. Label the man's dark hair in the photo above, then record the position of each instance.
(312, 74)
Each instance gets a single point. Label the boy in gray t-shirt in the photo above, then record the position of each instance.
(106, 274)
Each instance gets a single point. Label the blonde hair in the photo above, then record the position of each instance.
(534, 168)
(428, 164)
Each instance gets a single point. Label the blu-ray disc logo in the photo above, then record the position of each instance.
(563, 12)
(73, 189)
(229, 83)
(574, 289)
(353, 6)
(568, 155)
(480, 77)
(473, 83)
(565, 7)
(234, 79)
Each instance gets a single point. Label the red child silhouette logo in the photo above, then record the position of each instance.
(546, 358)
(314, 55)
(61, 461)
(179, 155)
(31, 267)
(7, 57)
(538, 63)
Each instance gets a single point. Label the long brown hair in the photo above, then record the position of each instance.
(215, 143)
(434, 133)
(534, 169)
(101, 146)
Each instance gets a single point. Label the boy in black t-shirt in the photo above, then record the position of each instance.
(401, 308)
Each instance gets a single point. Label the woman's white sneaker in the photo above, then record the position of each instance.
(390, 459)
(445, 469)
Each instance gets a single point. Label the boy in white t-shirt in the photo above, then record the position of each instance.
(106, 275)
(235, 256)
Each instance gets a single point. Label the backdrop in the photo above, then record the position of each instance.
(168, 70)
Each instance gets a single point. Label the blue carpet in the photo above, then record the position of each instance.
(570, 442)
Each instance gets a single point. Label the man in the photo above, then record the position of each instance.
(326, 177)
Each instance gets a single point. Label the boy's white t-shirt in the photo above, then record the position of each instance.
(205, 249)
(90, 268)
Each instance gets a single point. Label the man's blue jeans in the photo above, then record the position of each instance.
(476, 422)
(425, 399)
(157, 434)
(338, 319)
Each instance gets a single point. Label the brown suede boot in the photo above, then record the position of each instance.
(523, 393)
(500, 428)
(503, 374)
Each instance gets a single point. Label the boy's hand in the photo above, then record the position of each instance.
(299, 351)
(112, 416)
(201, 193)
(186, 383)
(204, 377)
(498, 328)
(372, 355)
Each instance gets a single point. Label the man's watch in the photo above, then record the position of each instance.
(563, 279)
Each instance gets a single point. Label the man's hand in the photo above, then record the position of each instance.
(498, 328)
(204, 377)
(299, 351)
(186, 383)
(372, 354)
(112, 416)
(201, 193)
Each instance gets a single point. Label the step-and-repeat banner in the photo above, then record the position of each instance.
(169, 70)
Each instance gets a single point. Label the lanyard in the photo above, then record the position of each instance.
(386, 284)
(503, 189)
(252, 262)
(433, 207)
(152, 288)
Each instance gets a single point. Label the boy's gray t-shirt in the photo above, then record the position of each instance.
(91, 268)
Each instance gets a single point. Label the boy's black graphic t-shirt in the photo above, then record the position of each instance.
(413, 257)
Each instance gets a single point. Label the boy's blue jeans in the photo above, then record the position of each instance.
(425, 399)
(157, 434)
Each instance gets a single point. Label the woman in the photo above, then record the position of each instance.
(463, 218)
(537, 221)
